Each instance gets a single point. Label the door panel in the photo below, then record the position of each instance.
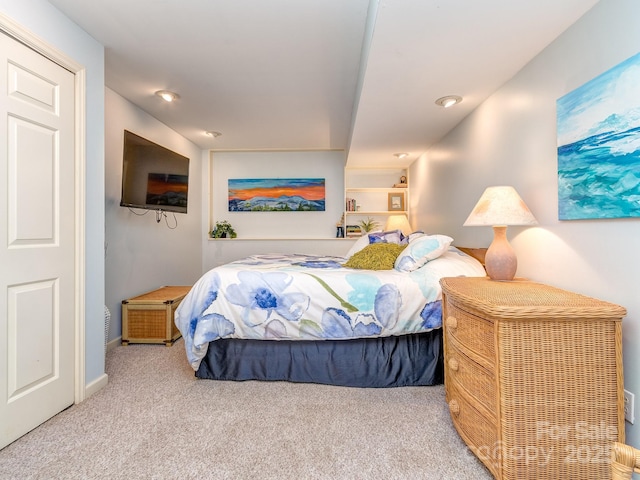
(32, 197)
(32, 88)
(37, 239)
(30, 367)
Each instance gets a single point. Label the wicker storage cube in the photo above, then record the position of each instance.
(533, 377)
(148, 318)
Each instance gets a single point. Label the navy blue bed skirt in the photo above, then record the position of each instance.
(398, 361)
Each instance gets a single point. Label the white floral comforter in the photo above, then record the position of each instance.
(304, 297)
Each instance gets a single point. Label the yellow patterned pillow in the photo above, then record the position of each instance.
(377, 256)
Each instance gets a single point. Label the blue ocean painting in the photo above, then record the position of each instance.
(599, 146)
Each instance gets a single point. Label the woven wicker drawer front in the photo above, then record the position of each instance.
(559, 392)
(476, 430)
(475, 333)
(151, 323)
(470, 376)
(147, 323)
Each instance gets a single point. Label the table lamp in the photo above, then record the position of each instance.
(500, 207)
(398, 222)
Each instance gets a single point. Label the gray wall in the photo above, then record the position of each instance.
(511, 139)
(45, 21)
(140, 253)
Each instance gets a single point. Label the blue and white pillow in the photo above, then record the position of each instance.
(378, 236)
(422, 250)
(391, 236)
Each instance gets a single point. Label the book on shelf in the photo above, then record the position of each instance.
(353, 231)
(400, 185)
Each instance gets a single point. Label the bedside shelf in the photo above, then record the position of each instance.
(369, 189)
(377, 212)
(278, 239)
(375, 190)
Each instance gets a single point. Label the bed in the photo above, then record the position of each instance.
(329, 320)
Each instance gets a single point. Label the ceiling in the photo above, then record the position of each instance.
(358, 75)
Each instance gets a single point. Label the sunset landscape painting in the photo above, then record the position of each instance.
(277, 195)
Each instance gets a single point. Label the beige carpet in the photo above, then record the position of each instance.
(155, 420)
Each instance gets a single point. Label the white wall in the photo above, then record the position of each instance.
(285, 164)
(45, 21)
(140, 253)
(286, 232)
(511, 139)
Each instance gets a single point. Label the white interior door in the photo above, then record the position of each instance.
(37, 235)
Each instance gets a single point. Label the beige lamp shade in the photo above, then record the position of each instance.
(398, 222)
(499, 207)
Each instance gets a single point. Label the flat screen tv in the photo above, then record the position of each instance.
(153, 177)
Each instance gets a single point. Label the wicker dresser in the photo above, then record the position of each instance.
(533, 377)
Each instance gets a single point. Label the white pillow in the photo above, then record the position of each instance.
(454, 263)
(414, 235)
(420, 251)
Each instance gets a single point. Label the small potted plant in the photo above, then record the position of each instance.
(223, 229)
(368, 224)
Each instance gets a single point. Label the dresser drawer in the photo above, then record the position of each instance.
(479, 432)
(468, 375)
(475, 334)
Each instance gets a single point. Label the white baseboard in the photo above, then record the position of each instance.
(103, 380)
(116, 342)
(96, 385)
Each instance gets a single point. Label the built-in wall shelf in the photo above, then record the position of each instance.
(372, 193)
(375, 190)
(378, 212)
(254, 239)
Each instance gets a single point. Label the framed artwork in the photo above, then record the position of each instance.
(599, 146)
(396, 202)
(277, 195)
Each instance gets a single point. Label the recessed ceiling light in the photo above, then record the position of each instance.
(167, 96)
(448, 101)
(400, 156)
(213, 134)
